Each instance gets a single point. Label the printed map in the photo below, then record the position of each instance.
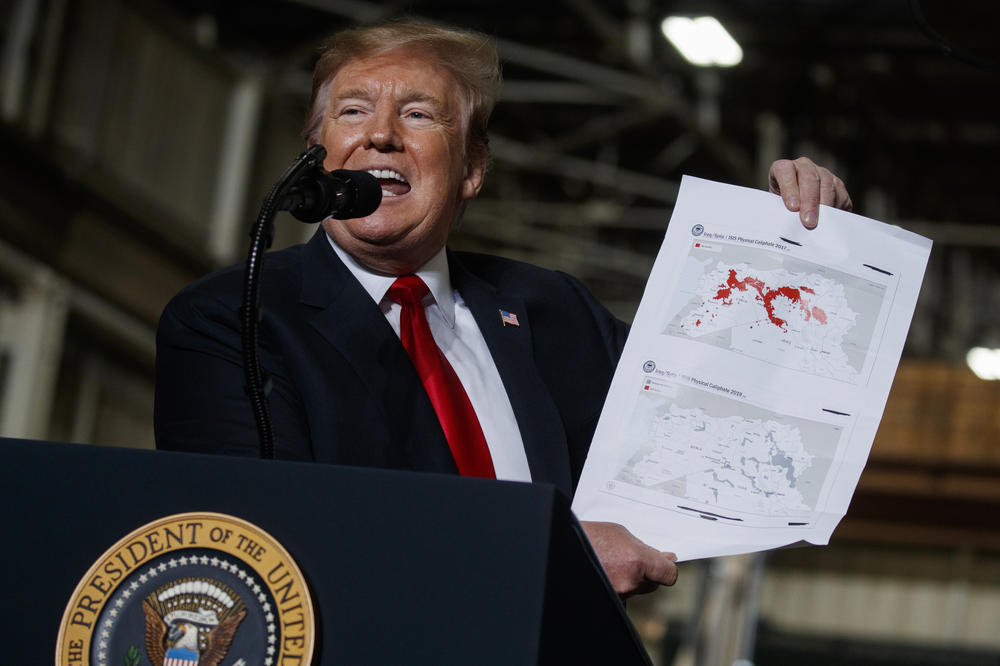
(692, 446)
(777, 309)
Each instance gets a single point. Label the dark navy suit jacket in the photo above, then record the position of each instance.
(344, 390)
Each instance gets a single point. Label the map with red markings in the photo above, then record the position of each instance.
(778, 309)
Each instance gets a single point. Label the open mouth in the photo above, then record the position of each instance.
(392, 182)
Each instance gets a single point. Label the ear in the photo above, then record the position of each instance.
(473, 181)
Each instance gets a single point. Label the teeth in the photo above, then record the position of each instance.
(387, 174)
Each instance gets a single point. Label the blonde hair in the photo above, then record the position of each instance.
(470, 57)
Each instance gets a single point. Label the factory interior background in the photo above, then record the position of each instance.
(138, 138)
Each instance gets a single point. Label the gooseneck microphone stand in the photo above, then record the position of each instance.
(256, 384)
(311, 194)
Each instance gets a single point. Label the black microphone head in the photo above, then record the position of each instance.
(342, 194)
(362, 194)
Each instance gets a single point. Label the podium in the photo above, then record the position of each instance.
(402, 567)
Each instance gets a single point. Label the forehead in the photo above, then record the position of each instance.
(397, 72)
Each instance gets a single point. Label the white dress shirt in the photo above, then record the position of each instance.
(458, 336)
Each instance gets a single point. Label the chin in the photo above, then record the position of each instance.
(369, 229)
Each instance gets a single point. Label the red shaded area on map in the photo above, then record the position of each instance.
(767, 295)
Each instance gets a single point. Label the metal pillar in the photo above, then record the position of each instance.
(722, 630)
(14, 61)
(31, 337)
(236, 159)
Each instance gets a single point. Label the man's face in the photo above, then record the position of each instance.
(399, 117)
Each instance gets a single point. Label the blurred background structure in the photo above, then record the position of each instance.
(137, 138)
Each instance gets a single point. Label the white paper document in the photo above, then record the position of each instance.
(754, 377)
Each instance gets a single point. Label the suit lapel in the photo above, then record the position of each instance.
(511, 347)
(347, 317)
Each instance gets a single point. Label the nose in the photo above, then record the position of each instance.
(383, 131)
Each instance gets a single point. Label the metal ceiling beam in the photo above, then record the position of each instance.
(600, 21)
(587, 215)
(603, 127)
(360, 11)
(557, 92)
(591, 254)
(531, 158)
(665, 93)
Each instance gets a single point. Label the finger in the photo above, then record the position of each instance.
(658, 569)
(663, 571)
(843, 199)
(827, 188)
(632, 566)
(783, 180)
(809, 182)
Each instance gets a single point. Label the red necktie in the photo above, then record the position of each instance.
(454, 411)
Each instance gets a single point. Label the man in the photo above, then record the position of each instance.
(531, 349)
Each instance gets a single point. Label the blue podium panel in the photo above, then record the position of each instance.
(403, 567)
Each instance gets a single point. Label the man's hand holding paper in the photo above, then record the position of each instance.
(755, 374)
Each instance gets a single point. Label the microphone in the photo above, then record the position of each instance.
(312, 195)
(341, 193)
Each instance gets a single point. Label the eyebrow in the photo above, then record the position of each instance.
(352, 93)
(409, 96)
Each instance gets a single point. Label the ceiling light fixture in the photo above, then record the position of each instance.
(984, 362)
(702, 41)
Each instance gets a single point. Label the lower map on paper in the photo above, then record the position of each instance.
(696, 450)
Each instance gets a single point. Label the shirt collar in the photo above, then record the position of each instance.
(434, 273)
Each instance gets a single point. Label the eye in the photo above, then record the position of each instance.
(417, 115)
(350, 109)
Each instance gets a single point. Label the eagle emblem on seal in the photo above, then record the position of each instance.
(191, 622)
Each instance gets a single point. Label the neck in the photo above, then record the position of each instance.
(385, 261)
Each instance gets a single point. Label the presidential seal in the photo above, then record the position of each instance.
(191, 589)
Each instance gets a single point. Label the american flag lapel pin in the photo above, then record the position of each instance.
(508, 318)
